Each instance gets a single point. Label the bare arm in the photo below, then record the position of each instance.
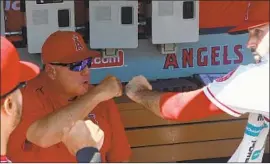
(173, 106)
(49, 130)
(150, 100)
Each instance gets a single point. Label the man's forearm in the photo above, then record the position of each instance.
(49, 130)
(179, 106)
(150, 100)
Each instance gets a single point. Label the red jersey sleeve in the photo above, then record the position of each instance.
(120, 149)
(187, 106)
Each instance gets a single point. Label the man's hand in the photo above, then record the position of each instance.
(83, 134)
(109, 88)
(137, 84)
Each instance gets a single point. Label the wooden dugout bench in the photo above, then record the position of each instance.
(156, 140)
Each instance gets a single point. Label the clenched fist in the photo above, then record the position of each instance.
(109, 88)
(135, 85)
(82, 134)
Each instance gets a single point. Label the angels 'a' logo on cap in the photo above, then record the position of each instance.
(77, 43)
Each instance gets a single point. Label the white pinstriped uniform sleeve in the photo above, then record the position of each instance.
(244, 90)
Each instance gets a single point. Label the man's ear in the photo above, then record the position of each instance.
(50, 70)
(9, 106)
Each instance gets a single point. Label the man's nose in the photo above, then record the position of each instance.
(251, 44)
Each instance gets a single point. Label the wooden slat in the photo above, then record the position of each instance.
(122, 99)
(129, 106)
(181, 152)
(142, 118)
(187, 151)
(186, 133)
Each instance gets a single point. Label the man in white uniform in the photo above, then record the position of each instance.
(244, 90)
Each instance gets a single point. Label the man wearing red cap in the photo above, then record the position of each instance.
(244, 90)
(14, 75)
(81, 138)
(60, 96)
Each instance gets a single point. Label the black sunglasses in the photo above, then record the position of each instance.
(76, 66)
(20, 85)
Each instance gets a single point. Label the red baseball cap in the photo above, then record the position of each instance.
(65, 47)
(257, 15)
(14, 71)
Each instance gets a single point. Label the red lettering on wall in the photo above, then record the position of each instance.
(201, 62)
(237, 51)
(226, 61)
(171, 60)
(206, 56)
(214, 55)
(187, 57)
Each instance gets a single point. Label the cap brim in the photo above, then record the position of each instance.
(79, 56)
(247, 25)
(28, 71)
